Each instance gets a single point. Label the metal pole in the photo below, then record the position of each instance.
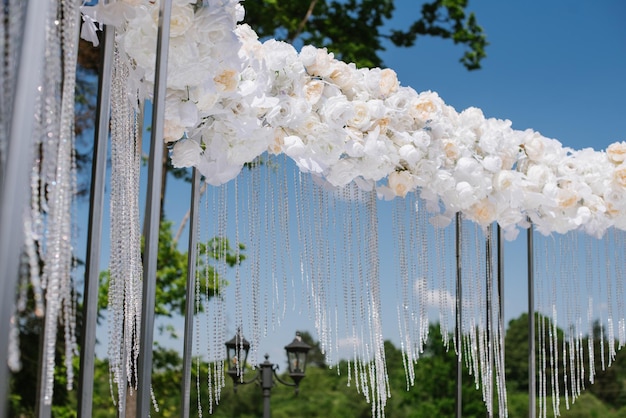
(14, 188)
(42, 410)
(153, 213)
(94, 233)
(531, 325)
(501, 284)
(501, 334)
(459, 322)
(267, 381)
(489, 303)
(191, 294)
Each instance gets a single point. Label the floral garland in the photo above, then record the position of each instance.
(231, 98)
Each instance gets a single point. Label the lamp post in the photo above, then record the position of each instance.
(237, 349)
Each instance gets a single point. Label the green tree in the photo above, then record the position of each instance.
(516, 352)
(609, 384)
(355, 29)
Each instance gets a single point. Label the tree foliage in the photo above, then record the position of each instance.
(355, 30)
(172, 271)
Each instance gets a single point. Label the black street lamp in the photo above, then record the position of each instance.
(237, 348)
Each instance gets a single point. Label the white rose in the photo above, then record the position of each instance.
(534, 147)
(567, 198)
(336, 111)
(619, 175)
(380, 83)
(227, 80)
(410, 154)
(313, 90)
(317, 61)
(388, 82)
(425, 106)
(483, 212)
(616, 152)
(172, 130)
(181, 19)
(343, 75)
(401, 182)
(186, 153)
(361, 117)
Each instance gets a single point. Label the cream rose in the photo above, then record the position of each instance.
(616, 152)
(182, 18)
(619, 175)
(401, 182)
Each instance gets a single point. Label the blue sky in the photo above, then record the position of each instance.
(556, 67)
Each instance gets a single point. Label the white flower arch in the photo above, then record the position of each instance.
(231, 98)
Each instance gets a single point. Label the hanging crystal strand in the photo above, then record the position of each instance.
(412, 346)
(477, 308)
(284, 222)
(257, 300)
(441, 282)
(270, 232)
(616, 238)
(419, 272)
(467, 349)
(590, 293)
(574, 271)
(333, 268)
(357, 307)
(58, 258)
(316, 262)
(547, 284)
(403, 289)
(219, 317)
(348, 271)
(609, 302)
(382, 379)
(125, 261)
(239, 298)
(302, 234)
(420, 241)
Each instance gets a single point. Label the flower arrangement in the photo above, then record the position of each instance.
(231, 98)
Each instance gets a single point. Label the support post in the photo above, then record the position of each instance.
(489, 304)
(531, 326)
(191, 292)
(459, 319)
(153, 213)
(14, 187)
(94, 232)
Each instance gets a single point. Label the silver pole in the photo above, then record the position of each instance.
(489, 302)
(153, 213)
(501, 325)
(191, 294)
(94, 232)
(501, 283)
(459, 320)
(14, 189)
(531, 326)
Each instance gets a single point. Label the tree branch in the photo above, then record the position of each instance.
(183, 221)
(303, 22)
